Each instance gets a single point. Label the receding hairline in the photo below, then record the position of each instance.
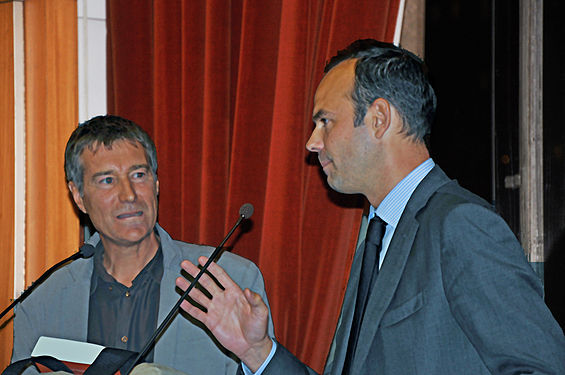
(349, 82)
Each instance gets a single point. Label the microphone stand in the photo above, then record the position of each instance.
(165, 323)
(85, 251)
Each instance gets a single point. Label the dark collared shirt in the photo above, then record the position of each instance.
(122, 317)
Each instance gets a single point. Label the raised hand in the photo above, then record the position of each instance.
(237, 318)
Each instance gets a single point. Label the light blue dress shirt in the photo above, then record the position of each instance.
(392, 207)
(390, 210)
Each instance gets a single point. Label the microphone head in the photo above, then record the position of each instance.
(246, 210)
(86, 250)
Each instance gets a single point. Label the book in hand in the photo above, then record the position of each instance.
(76, 355)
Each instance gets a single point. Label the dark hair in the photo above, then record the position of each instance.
(104, 130)
(383, 70)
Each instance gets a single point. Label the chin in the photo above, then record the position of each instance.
(335, 185)
(341, 188)
(131, 237)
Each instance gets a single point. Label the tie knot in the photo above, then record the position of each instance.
(376, 231)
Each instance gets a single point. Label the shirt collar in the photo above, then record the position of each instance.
(153, 269)
(392, 206)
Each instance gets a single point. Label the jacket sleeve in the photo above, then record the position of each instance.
(24, 338)
(283, 363)
(496, 297)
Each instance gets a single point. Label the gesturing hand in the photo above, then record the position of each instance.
(237, 318)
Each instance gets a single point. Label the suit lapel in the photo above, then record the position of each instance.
(385, 286)
(75, 292)
(339, 344)
(394, 264)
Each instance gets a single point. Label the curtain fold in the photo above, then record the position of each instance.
(226, 90)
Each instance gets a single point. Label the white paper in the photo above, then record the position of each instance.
(67, 350)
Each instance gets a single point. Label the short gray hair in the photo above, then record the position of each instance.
(104, 130)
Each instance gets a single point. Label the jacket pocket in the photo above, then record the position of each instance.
(403, 311)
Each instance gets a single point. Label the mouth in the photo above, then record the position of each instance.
(128, 215)
(324, 160)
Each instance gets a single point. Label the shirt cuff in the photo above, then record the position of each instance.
(259, 371)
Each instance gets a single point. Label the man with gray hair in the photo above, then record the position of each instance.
(118, 297)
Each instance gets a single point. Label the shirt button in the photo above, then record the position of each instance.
(124, 339)
(127, 294)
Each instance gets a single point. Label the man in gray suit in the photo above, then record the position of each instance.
(119, 296)
(448, 291)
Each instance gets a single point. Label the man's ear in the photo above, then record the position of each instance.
(378, 117)
(76, 196)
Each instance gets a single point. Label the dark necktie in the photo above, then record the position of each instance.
(369, 270)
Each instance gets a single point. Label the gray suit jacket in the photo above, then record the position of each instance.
(455, 295)
(59, 308)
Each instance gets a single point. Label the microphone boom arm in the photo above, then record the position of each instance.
(175, 308)
(84, 252)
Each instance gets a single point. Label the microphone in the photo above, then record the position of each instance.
(245, 212)
(85, 251)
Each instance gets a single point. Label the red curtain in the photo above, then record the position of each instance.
(226, 91)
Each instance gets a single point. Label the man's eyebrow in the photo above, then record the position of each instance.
(321, 113)
(132, 168)
(101, 173)
(138, 166)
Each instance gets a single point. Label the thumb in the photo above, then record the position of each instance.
(253, 298)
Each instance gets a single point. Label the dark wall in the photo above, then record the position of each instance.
(459, 59)
(472, 50)
(554, 156)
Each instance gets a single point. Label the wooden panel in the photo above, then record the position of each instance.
(52, 229)
(7, 181)
(413, 27)
(531, 131)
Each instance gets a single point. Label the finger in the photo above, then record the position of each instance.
(219, 273)
(194, 311)
(205, 281)
(189, 267)
(258, 306)
(182, 283)
(253, 298)
(195, 294)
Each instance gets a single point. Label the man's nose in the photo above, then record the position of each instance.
(127, 191)
(315, 143)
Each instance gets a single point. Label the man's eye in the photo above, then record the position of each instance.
(324, 121)
(138, 175)
(106, 180)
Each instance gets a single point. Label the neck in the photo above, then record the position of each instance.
(397, 166)
(124, 263)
